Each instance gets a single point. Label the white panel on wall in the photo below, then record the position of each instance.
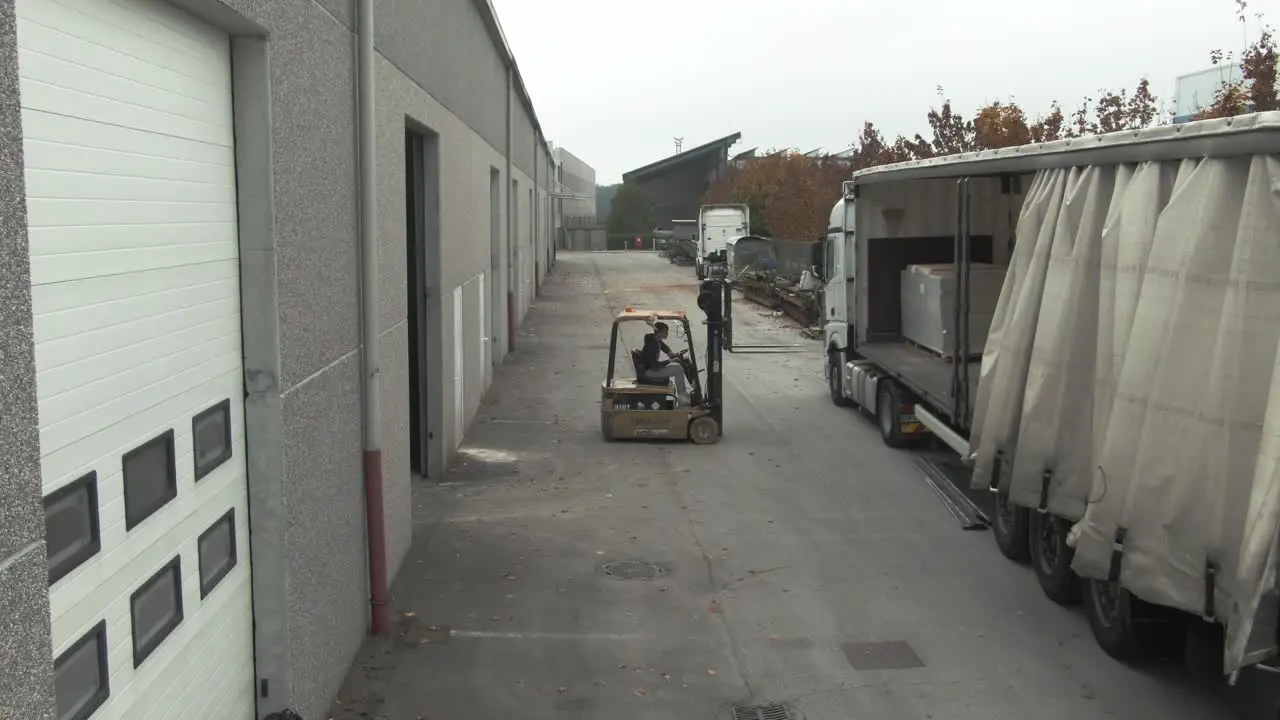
(486, 334)
(459, 395)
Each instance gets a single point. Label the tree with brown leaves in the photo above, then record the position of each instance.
(951, 132)
(789, 193)
(1000, 125)
(1049, 127)
(1256, 88)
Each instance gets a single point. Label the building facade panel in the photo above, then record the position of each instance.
(439, 71)
(444, 46)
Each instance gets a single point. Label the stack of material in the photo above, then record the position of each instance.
(801, 300)
(680, 251)
(929, 305)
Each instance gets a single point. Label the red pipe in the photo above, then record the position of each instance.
(376, 521)
(511, 321)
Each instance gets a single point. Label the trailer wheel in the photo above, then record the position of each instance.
(889, 415)
(835, 379)
(1009, 526)
(1126, 628)
(1204, 649)
(1051, 557)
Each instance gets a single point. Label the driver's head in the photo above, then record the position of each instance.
(660, 330)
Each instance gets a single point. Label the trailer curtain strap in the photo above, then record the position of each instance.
(995, 470)
(1045, 481)
(1117, 552)
(1210, 590)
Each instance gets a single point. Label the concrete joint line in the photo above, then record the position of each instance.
(491, 635)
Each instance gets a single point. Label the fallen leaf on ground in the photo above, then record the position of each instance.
(710, 671)
(639, 692)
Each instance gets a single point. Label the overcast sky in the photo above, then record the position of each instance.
(614, 81)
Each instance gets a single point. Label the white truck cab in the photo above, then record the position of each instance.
(839, 273)
(716, 224)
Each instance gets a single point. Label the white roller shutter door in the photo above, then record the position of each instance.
(130, 178)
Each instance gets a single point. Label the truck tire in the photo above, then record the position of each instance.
(888, 416)
(1204, 649)
(835, 379)
(1009, 526)
(1112, 614)
(1051, 557)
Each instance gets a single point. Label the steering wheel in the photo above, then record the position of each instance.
(680, 354)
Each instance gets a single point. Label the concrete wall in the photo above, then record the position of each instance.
(26, 652)
(439, 70)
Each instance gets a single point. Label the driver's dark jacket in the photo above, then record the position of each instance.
(650, 352)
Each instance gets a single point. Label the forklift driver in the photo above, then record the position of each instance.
(656, 369)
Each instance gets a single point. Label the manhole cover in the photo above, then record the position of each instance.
(760, 712)
(631, 570)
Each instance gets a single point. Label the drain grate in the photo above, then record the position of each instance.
(760, 712)
(632, 570)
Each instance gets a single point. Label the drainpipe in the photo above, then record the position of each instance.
(512, 202)
(375, 515)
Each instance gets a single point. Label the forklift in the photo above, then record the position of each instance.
(639, 409)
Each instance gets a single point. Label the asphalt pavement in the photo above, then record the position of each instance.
(798, 567)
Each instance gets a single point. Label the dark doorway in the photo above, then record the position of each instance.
(422, 252)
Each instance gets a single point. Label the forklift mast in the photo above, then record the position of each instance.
(713, 297)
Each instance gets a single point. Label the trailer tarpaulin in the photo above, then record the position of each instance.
(1165, 301)
(1002, 379)
(1048, 469)
(1184, 446)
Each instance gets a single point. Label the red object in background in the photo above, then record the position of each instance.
(376, 529)
(639, 243)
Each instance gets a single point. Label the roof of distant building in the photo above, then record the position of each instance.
(720, 145)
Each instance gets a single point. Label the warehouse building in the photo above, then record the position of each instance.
(182, 325)
(578, 180)
(675, 185)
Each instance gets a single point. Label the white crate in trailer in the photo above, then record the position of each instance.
(929, 302)
(131, 197)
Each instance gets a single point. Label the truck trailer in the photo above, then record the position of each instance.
(1093, 325)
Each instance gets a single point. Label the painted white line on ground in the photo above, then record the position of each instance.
(490, 635)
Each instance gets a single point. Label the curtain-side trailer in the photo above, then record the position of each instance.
(1094, 325)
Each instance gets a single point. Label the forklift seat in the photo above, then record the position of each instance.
(637, 360)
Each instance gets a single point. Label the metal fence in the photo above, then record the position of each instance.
(793, 257)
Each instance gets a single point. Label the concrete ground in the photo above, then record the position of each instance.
(802, 562)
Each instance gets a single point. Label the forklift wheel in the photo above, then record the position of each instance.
(704, 430)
